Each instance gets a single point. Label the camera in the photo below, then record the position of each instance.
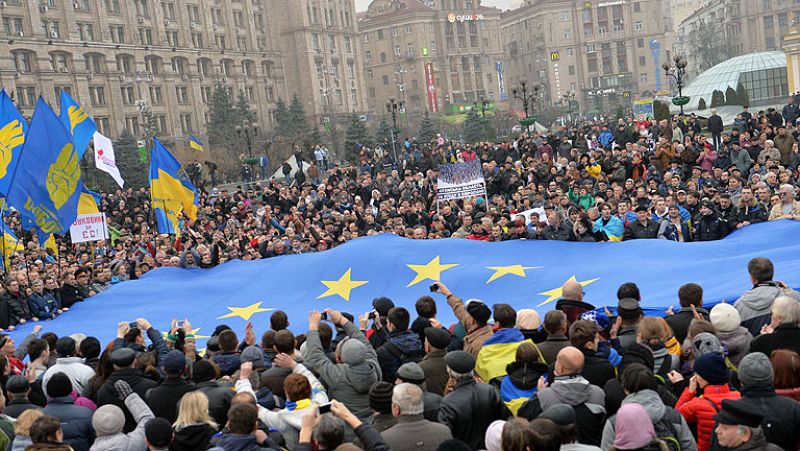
(324, 408)
(324, 316)
(373, 314)
(434, 288)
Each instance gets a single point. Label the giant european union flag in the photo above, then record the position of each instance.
(525, 274)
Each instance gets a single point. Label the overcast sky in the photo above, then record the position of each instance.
(361, 5)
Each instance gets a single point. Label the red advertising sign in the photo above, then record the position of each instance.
(430, 82)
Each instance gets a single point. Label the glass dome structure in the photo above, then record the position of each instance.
(763, 74)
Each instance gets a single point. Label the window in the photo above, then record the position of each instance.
(368, 56)
(59, 61)
(153, 64)
(339, 99)
(146, 36)
(226, 67)
(380, 34)
(197, 40)
(637, 7)
(395, 31)
(216, 16)
(640, 43)
(570, 52)
(351, 71)
(643, 77)
(567, 34)
(156, 96)
(768, 22)
(168, 9)
(348, 46)
(353, 97)
(332, 42)
(26, 96)
(125, 64)
(127, 95)
(160, 124)
(142, 8)
(385, 80)
(238, 19)
(370, 74)
(132, 125)
(642, 61)
(383, 57)
(248, 68)
(179, 65)
(565, 16)
(241, 43)
(117, 33)
(51, 29)
(97, 95)
(12, 26)
(270, 93)
(397, 50)
(94, 62)
(205, 93)
(572, 70)
(408, 29)
(220, 41)
(315, 42)
(186, 123)
(23, 61)
(590, 48)
(103, 125)
(783, 20)
(637, 26)
(111, 6)
(259, 21)
(371, 93)
(194, 13)
(172, 39)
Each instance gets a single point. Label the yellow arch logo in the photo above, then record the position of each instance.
(11, 137)
(76, 116)
(63, 176)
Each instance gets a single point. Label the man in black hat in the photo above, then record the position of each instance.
(643, 227)
(739, 428)
(412, 373)
(123, 359)
(164, 399)
(630, 313)
(709, 227)
(433, 365)
(473, 317)
(18, 388)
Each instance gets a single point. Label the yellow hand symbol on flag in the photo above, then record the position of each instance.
(76, 116)
(63, 176)
(11, 136)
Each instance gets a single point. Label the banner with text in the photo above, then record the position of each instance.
(89, 228)
(460, 181)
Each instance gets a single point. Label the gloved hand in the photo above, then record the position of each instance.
(123, 389)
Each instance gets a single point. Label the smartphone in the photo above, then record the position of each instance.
(324, 408)
(133, 324)
(434, 288)
(179, 324)
(324, 316)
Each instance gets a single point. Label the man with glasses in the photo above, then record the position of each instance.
(788, 208)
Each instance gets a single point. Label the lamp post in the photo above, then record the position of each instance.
(569, 97)
(393, 106)
(677, 72)
(249, 131)
(521, 92)
(483, 105)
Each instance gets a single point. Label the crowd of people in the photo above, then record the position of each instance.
(500, 379)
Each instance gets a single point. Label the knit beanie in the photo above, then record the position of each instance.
(755, 370)
(725, 317)
(380, 397)
(108, 420)
(353, 352)
(494, 434)
(203, 371)
(630, 431)
(711, 367)
(59, 385)
(705, 343)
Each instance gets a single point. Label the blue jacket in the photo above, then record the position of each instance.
(76, 422)
(606, 138)
(43, 305)
(228, 363)
(399, 344)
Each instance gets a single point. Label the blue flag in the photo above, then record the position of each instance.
(171, 190)
(48, 183)
(77, 122)
(13, 128)
(525, 274)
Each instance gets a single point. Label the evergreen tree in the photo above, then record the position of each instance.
(283, 123)
(427, 128)
(243, 108)
(356, 134)
(133, 171)
(701, 105)
(315, 137)
(660, 110)
(717, 98)
(384, 132)
(223, 118)
(731, 98)
(297, 116)
(473, 130)
(742, 95)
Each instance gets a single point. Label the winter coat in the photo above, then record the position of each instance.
(655, 407)
(697, 410)
(560, 233)
(349, 382)
(108, 394)
(777, 211)
(758, 442)
(520, 383)
(737, 342)
(238, 442)
(680, 321)
(741, 159)
(398, 344)
(596, 370)
(769, 153)
(435, 370)
(228, 363)
(273, 379)
(164, 398)
(476, 335)
(76, 422)
(73, 367)
(781, 423)
(49, 447)
(753, 214)
(133, 441)
(469, 409)
(615, 395)
(715, 124)
(636, 230)
(219, 400)
(550, 347)
(43, 305)
(709, 228)
(18, 307)
(195, 437)
(15, 407)
(785, 336)
(706, 160)
(784, 145)
(370, 440)
(415, 433)
(21, 442)
(586, 399)
(754, 305)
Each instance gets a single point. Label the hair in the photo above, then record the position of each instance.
(629, 290)
(242, 418)
(296, 387)
(44, 429)
(637, 377)
(516, 436)
(50, 338)
(268, 339)
(582, 332)
(90, 348)
(787, 368)
(325, 335)
(284, 341)
(408, 397)
(690, 294)
(761, 269)
(527, 353)
(651, 331)
(193, 409)
(399, 317)
(243, 398)
(554, 320)
(505, 315)
(36, 348)
(698, 326)
(426, 307)
(25, 420)
(132, 334)
(329, 432)
(228, 341)
(545, 435)
(458, 377)
(278, 320)
(787, 309)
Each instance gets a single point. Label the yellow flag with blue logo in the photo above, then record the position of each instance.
(13, 128)
(10, 243)
(88, 202)
(80, 125)
(171, 190)
(195, 143)
(48, 182)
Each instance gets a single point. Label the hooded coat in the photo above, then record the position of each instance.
(737, 342)
(520, 383)
(469, 409)
(349, 381)
(398, 343)
(755, 305)
(132, 441)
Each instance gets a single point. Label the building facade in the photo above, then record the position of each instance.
(589, 55)
(117, 57)
(439, 56)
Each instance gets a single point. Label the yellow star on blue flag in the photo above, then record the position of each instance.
(341, 287)
(432, 271)
(557, 292)
(245, 312)
(514, 270)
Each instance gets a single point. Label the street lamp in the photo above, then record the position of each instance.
(569, 97)
(249, 131)
(392, 106)
(521, 92)
(677, 72)
(483, 105)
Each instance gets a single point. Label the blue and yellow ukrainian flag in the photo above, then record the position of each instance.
(498, 351)
(10, 243)
(77, 122)
(195, 143)
(88, 202)
(171, 190)
(13, 128)
(48, 182)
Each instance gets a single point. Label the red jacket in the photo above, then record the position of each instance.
(698, 410)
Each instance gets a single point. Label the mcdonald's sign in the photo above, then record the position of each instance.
(554, 56)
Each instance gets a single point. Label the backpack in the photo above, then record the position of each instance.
(402, 357)
(666, 430)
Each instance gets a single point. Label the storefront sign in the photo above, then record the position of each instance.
(452, 17)
(430, 82)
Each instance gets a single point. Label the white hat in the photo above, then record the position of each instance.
(725, 317)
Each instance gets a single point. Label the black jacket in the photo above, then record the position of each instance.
(560, 233)
(163, 400)
(400, 346)
(15, 407)
(755, 214)
(469, 409)
(219, 400)
(680, 321)
(596, 370)
(108, 394)
(781, 422)
(715, 124)
(709, 228)
(636, 230)
(786, 336)
(196, 437)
